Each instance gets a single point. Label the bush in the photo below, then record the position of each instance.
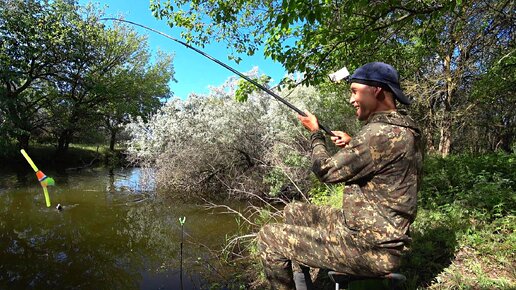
(213, 144)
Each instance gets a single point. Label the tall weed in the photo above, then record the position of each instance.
(483, 183)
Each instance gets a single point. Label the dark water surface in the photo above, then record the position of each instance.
(112, 233)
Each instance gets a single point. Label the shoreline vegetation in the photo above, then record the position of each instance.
(79, 156)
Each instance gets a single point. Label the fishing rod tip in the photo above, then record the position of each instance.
(339, 75)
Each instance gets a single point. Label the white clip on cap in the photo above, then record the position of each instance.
(339, 75)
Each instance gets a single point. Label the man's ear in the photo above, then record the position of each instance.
(387, 97)
(379, 93)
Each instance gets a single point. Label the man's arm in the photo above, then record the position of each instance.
(341, 139)
(349, 164)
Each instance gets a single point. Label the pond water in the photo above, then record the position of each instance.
(113, 233)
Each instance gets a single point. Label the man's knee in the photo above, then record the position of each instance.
(294, 207)
(264, 235)
(292, 211)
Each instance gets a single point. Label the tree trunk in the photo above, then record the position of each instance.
(23, 141)
(60, 144)
(505, 143)
(112, 140)
(445, 141)
(63, 142)
(429, 144)
(446, 123)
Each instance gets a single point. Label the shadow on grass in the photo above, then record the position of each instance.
(432, 252)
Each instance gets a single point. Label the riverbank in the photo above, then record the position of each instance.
(78, 156)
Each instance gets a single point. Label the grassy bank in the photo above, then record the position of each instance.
(464, 234)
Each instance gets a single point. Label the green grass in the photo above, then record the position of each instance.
(473, 197)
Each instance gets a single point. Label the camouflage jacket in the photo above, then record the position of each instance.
(381, 167)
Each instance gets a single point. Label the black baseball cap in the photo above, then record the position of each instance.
(382, 75)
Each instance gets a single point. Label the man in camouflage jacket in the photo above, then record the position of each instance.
(381, 168)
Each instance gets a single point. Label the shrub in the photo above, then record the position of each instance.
(212, 143)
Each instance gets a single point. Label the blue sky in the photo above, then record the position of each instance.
(193, 72)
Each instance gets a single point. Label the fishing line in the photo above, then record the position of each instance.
(258, 85)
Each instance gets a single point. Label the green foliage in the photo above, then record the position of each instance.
(295, 159)
(304, 35)
(485, 183)
(63, 73)
(466, 211)
(441, 49)
(495, 94)
(275, 179)
(460, 249)
(434, 243)
(326, 194)
(245, 88)
(7, 148)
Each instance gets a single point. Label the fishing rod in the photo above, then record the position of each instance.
(258, 85)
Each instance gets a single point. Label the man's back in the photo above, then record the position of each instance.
(383, 161)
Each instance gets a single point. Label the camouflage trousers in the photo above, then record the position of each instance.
(314, 236)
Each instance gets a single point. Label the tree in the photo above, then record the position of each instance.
(495, 120)
(209, 144)
(63, 71)
(441, 45)
(109, 78)
(33, 48)
(137, 90)
(468, 42)
(87, 80)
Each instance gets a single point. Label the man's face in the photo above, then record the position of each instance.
(363, 98)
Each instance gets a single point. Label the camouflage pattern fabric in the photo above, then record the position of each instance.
(381, 168)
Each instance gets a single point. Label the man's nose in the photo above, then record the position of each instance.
(352, 99)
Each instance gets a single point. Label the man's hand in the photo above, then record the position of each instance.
(341, 139)
(310, 121)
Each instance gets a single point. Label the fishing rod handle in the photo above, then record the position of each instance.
(321, 126)
(326, 130)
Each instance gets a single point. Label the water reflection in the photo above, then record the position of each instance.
(112, 234)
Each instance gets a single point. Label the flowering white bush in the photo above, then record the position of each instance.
(212, 143)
